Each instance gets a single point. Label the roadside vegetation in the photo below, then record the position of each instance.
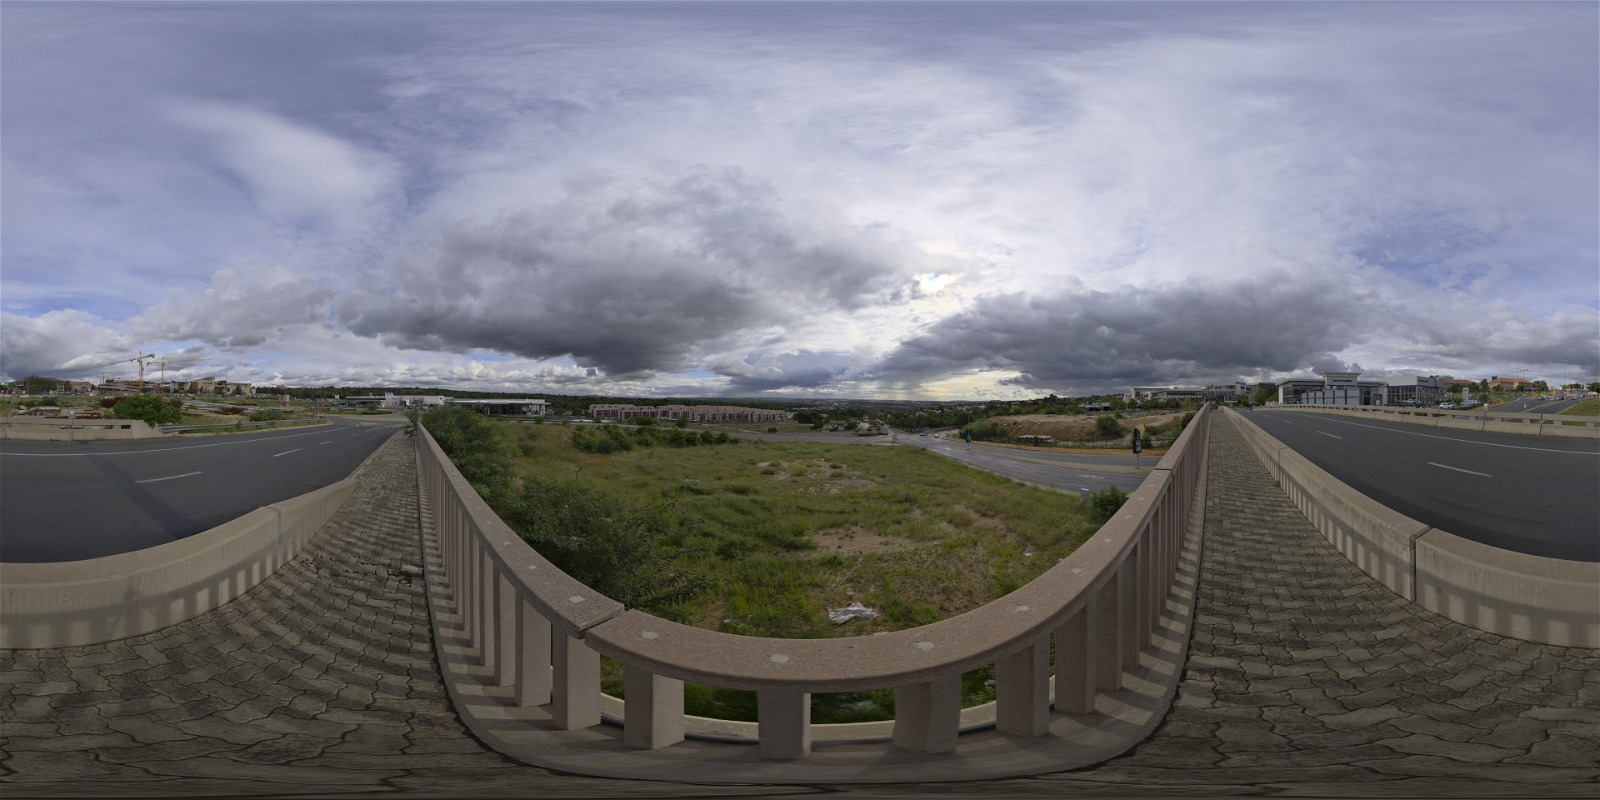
(1586, 408)
(761, 538)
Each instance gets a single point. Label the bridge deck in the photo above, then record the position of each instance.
(1304, 677)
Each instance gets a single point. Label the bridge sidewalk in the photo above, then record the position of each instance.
(1305, 678)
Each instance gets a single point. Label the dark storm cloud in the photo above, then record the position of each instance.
(630, 277)
(1171, 332)
(803, 369)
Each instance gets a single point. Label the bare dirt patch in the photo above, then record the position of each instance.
(858, 541)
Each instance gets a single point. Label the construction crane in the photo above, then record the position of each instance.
(166, 362)
(138, 359)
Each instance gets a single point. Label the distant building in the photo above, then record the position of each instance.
(1418, 391)
(389, 400)
(625, 411)
(1509, 384)
(498, 406)
(1347, 389)
(1141, 394)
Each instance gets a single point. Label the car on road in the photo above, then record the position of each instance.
(1447, 406)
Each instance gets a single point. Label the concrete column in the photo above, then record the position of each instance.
(927, 716)
(1075, 690)
(784, 724)
(505, 632)
(1103, 652)
(1022, 690)
(466, 596)
(487, 624)
(1144, 570)
(533, 656)
(653, 709)
(1127, 612)
(576, 689)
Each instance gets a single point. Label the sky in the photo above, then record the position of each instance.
(949, 200)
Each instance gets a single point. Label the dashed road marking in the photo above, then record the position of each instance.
(1458, 469)
(287, 452)
(168, 478)
(1595, 452)
(1325, 433)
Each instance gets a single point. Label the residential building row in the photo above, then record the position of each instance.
(493, 406)
(199, 386)
(625, 411)
(1330, 388)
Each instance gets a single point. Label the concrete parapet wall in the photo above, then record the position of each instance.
(1512, 594)
(82, 430)
(97, 600)
(1564, 425)
(1508, 593)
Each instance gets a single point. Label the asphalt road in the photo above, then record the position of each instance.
(1049, 469)
(69, 502)
(1536, 406)
(1531, 494)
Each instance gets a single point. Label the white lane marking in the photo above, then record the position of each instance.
(168, 478)
(287, 452)
(1325, 433)
(1458, 469)
(269, 438)
(1468, 441)
(330, 441)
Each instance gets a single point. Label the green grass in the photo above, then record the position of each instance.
(789, 529)
(754, 427)
(1587, 408)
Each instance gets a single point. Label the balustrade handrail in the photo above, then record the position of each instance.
(1102, 602)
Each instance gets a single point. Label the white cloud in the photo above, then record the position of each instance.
(295, 172)
(803, 201)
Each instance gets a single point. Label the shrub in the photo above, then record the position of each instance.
(471, 442)
(148, 408)
(986, 431)
(1104, 503)
(612, 550)
(266, 415)
(1108, 427)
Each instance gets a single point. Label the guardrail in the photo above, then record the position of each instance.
(1500, 591)
(63, 429)
(538, 635)
(270, 423)
(1571, 426)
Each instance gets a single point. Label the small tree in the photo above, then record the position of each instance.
(147, 408)
(1108, 427)
(1104, 503)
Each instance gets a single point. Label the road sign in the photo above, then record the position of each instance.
(1138, 442)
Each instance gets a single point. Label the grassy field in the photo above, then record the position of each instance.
(787, 530)
(786, 426)
(1587, 408)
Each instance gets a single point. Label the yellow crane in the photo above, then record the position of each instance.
(178, 362)
(138, 359)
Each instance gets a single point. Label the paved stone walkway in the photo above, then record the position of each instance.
(1305, 679)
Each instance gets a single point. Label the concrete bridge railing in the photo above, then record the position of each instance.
(1477, 419)
(1512, 594)
(540, 633)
